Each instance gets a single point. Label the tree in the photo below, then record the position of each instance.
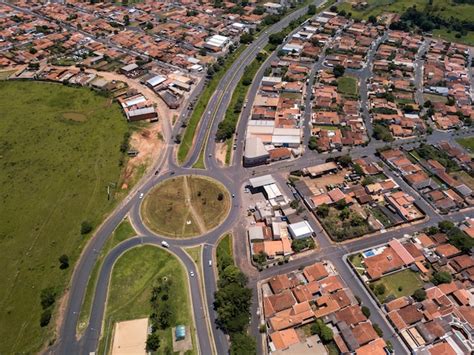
(313, 143)
(441, 277)
(152, 342)
(33, 50)
(86, 227)
(326, 334)
(45, 317)
(345, 160)
(345, 213)
(445, 226)
(277, 38)
(242, 344)
(378, 330)
(47, 297)
(220, 196)
(260, 258)
(366, 311)
(294, 204)
(165, 317)
(300, 244)
(358, 169)
(246, 38)
(380, 289)
(312, 10)
(63, 262)
(232, 304)
(338, 70)
(372, 19)
(323, 210)
(232, 274)
(126, 20)
(419, 295)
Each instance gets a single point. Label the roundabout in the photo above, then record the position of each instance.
(185, 206)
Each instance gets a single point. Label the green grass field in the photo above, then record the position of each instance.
(54, 173)
(133, 277)
(467, 143)
(121, 233)
(443, 8)
(399, 284)
(185, 206)
(347, 85)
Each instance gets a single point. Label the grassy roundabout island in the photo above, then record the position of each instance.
(185, 206)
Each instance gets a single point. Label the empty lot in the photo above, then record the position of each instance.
(54, 173)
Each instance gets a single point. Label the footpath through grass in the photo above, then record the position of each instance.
(133, 277)
(201, 104)
(54, 175)
(121, 233)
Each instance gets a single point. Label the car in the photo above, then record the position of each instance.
(233, 195)
(191, 273)
(141, 195)
(156, 172)
(235, 146)
(210, 155)
(210, 262)
(165, 244)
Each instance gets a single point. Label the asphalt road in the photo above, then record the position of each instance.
(233, 177)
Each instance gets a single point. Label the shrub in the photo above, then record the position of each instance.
(86, 227)
(419, 295)
(63, 262)
(366, 311)
(45, 317)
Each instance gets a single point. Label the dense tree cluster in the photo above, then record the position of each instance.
(232, 304)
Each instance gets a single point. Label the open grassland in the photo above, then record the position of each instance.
(185, 206)
(121, 233)
(53, 176)
(445, 9)
(133, 277)
(402, 283)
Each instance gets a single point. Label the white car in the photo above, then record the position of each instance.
(191, 273)
(210, 262)
(165, 244)
(141, 195)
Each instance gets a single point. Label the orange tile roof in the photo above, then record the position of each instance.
(283, 339)
(364, 333)
(376, 347)
(315, 272)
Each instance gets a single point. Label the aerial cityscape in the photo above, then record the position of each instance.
(283, 177)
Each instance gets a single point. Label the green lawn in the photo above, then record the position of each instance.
(467, 143)
(133, 278)
(464, 177)
(356, 260)
(185, 206)
(121, 233)
(347, 85)
(402, 283)
(195, 254)
(54, 173)
(224, 249)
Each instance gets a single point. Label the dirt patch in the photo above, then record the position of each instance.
(130, 337)
(220, 152)
(74, 116)
(148, 144)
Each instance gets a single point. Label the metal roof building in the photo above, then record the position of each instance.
(300, 230)
(261, 181)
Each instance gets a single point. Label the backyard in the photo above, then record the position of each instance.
(402, 283)
(54, 176)
(185, 206)
(133, 277)
(344, 224)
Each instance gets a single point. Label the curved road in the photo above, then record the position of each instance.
(233, 178)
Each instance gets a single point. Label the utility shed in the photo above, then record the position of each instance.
(300, 230)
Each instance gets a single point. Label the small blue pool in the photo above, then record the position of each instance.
(368, 253)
